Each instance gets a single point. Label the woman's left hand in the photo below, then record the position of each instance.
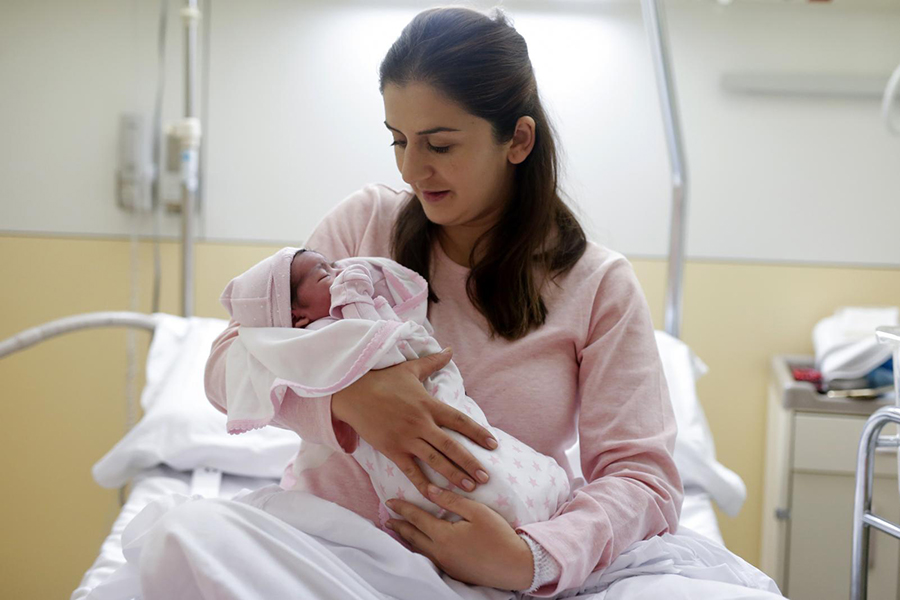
(480, 549)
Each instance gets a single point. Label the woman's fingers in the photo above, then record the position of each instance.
(449, 417)
(455, 503)
(412, 471)
(460, 457)
(391, 410)
(437, 460)
(420, 542)
(423, 521)
(419, 527)
(426, 366)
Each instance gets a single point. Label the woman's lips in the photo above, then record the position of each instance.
(435, 196)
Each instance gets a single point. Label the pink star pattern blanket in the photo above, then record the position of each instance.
(368, 331)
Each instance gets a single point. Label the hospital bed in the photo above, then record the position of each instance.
(180, 444)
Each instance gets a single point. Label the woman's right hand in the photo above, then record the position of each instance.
(390, 409)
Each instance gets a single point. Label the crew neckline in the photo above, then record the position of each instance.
(451, 264)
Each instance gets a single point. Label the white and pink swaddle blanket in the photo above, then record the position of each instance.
(367, 331)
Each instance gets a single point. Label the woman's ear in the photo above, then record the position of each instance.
(522, 140)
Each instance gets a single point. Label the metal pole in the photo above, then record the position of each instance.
(654, 19)
(35, 335)
(190, 143)
(863, 520)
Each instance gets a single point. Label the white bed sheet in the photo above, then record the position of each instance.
(696, 514)
(706, 481)
(146, 487)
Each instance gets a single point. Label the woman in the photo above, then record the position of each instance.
(551, 333)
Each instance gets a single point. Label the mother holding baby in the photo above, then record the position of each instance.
(551, 333)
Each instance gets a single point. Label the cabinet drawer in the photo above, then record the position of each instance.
(821, 528)
(829, 444)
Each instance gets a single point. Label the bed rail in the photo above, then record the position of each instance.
(35, 335)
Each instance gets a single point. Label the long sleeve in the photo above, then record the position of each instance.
(627, 435)
(352, 295)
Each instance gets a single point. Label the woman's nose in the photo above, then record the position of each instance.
(414, 166)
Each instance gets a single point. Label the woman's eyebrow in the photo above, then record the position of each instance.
(425, 132)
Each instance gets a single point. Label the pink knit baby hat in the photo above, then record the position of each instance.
(261, 297)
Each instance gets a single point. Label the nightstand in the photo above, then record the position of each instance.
(807, 521)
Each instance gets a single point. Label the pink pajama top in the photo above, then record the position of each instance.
(591, 372)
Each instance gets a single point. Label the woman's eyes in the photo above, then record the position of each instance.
(438, 149)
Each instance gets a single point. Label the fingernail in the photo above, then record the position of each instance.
(468, 484)
(390, 504)
(482, 476)
(492, 443)
(433, 490)
(445, 350)
(389, 525)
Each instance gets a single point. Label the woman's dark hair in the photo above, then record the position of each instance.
(482, 64)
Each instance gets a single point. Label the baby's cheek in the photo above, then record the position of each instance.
(323, 304)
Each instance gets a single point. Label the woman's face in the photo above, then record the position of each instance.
(459, 173)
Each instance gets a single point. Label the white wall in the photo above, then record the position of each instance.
(295, 120)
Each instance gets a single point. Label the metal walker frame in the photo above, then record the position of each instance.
(863, 517)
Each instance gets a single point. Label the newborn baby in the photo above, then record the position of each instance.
(524, 487)
(311, 279)
(312, 296)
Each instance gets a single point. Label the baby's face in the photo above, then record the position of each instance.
(311, 279)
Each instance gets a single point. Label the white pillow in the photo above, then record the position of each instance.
(695, 453)
(180, 428)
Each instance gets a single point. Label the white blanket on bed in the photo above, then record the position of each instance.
(300, 546)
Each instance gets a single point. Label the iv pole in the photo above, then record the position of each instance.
(189, 133)
(654, 20)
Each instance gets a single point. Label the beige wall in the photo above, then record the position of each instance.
(63, 400)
